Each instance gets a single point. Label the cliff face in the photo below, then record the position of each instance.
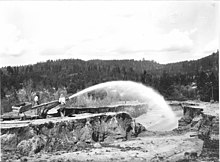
(191, 115)
(72, 134)
(207, 128)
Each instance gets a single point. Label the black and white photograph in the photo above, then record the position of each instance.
(109, 81)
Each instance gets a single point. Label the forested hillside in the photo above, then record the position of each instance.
(181, 80)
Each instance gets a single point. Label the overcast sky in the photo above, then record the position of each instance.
(169, 31)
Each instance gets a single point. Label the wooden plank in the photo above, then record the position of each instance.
(108, 106)
(45, 104)
(25, 108)
(28, 107)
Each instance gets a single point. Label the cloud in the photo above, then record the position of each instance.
(177, 41)
(12, 42)
(119, 30)
(21, 53)
(52, 52)
(174, 41)
(123, 44)
(127, 15)
(127, 51)
(212, 46)
(56, 51)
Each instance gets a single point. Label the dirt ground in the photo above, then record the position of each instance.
(157, 146)
(149, 148)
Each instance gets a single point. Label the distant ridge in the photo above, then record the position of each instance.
(208, 63)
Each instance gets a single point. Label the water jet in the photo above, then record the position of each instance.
(155, 114)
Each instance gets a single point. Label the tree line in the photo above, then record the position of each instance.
(182, 80)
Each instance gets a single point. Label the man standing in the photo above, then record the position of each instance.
(62, 101)
(36, 102)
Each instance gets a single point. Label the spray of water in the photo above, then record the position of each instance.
(158, 115)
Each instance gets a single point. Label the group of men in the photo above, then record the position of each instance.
(62, 101)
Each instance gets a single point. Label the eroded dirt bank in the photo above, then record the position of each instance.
(205, 124)
(65, 134)
(112, 137)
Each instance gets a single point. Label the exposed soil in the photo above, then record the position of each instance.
(156, 148)
(113, 137)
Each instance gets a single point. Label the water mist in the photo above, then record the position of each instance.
(158, 116)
